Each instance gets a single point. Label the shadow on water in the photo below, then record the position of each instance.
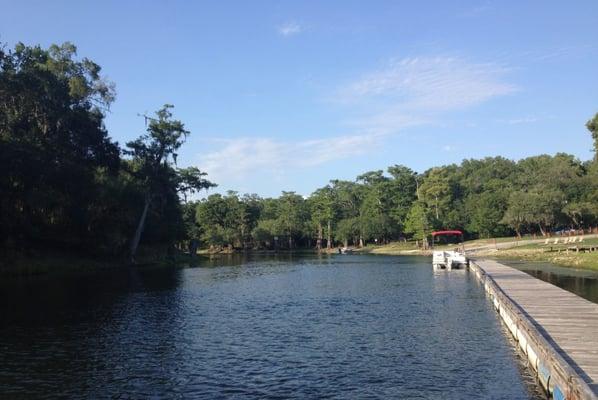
(70, 297)
(582, 282)
(257, 326)
(237, 259)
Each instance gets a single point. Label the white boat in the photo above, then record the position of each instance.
(449, 259)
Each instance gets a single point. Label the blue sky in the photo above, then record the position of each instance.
(287, 95)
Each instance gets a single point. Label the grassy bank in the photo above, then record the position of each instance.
(572, 260)
(540, 252)
(525, 249)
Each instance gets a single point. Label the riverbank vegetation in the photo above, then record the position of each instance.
(68, 187)
(539, 196)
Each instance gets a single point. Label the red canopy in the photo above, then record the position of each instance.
(447, 233)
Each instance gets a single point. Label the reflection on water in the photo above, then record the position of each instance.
(256, 327)
(582, 282)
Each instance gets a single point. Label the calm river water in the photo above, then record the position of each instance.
(334, 327)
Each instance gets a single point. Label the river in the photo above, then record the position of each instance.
(352, 326)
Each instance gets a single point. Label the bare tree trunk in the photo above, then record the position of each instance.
(193, 245)
(329, 243)
(139, 230)
(542, 230)
(319, 242)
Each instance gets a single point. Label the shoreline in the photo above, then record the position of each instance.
(51, 263)
(54, 263)
(587, 261)
(581, 260)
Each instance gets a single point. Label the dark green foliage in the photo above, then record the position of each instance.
(592, 126)
(403, 189)
(64, 185)
(485, 198)
(53, 147)
(417, 221)
(154, 157)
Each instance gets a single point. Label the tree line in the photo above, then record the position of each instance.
(490, 197)
(66, 185)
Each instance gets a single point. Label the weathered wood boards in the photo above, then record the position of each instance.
(556, 329)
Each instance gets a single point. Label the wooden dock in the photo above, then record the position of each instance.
(556, 329)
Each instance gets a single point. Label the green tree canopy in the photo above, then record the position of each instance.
(592, 126)
(154, 155)
(52, 144)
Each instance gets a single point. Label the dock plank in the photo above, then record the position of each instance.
(566, 320)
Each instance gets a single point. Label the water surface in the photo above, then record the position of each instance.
(333, 327)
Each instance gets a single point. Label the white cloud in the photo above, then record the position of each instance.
(518, 121)
(476, 11)
(289, 29)
(244, 157)
(408, 92)
(387, 121)
(419, 90)
(430, 84)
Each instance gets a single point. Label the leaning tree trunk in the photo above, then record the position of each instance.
(329, 243)
(139, 230)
